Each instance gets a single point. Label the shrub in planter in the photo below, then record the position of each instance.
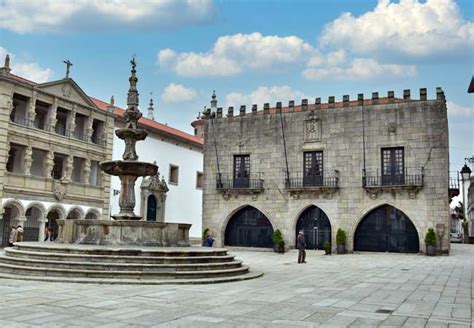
(204, 235)
(430, 242)
(278, 242)
(327, 248)
(341, 241)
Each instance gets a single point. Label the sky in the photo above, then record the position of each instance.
(250, 52)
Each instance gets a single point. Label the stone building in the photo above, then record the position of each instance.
(52, 138)
(376, 168)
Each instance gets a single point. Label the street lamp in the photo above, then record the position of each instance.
(465, 175)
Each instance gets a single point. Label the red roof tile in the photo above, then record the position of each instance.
(153, 124)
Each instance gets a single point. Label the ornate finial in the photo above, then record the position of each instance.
(112, 101)
(214, 100)
(68, 66)
(132, 114)
(151, 110)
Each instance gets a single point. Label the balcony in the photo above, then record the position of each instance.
(228, 186)
(298, 184)
(411, 181)
(453, 187)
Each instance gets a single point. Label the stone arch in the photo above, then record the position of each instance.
(369, 210)
(39, 206)
(298, 216)
(35, 222)
(75, 209)
(94, 212)
(17, 204)
(59, 209)
(232, 214)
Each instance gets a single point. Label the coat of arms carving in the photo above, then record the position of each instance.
(312, 129)
(59, 189)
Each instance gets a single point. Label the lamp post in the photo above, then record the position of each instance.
(465, 176)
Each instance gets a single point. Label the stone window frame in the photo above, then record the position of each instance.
(199, 174)
(173, 168)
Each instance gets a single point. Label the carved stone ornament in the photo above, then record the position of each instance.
(59, 189)
(66, 90)
(312, 128)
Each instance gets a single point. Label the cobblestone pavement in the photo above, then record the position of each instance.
(370, 289)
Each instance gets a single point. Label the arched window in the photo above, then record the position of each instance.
(315, 224)
(151, 208)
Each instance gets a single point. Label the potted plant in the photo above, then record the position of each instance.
(204, 235)
(430, 242)
(327, 247)
(341, 241)
(278, 242)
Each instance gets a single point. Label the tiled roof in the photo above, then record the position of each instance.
(161, 128)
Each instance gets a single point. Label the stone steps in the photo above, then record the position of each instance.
(40, 255)
(128, 265)
(109, 266)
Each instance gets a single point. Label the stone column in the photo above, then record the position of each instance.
(72, 120)
(69, 167)
(87, 171)
(49, 164)
(28, 160)
(32, 109)
(52, 115)
(21, 221)
(42, 226)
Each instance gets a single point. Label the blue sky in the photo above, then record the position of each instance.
(250, 51)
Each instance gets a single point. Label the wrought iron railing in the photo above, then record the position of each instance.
(298, 180)
(453, 183)
(226, 182)
(21, 120)
(80, 136)
(411, 178)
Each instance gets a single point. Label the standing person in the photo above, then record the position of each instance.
(12, 236)
(301, 244)
(19, 233)
(50, 232)
(46, 233)
(208, 242)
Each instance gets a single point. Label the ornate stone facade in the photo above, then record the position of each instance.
(353, 144)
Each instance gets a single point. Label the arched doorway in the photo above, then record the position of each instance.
(32, 224)
(316, 226)
(151, 208)
(386, 229)
(74, 214)
(249, 227)
(10, 217)
(91, 216)
(53, 216)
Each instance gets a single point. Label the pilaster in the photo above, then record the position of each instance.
(6, 101)
(49, 164)
(32, 108)
(28, 160)
(87, 171)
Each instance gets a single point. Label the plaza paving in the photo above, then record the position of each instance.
(369, 289)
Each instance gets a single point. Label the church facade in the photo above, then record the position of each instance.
(376, 168)
(52, 138)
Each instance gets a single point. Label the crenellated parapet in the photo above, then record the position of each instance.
(331, 103)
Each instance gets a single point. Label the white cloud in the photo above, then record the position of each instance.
(28, 70)
(52, 15)
(409, 27)
(458, 110)
(232, 54)
(177, 93)
(263, 95)
(358, 68)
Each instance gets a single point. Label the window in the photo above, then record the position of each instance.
(41, 115)
(16, 158)
(81, 121)
(58, 167)
(174, 174)
(199, 180)
(393, 166)
(78, 169)
(61, 121)
(38, 165)
(313, 168)
(241, 171)
(97, 132)
(19, 113)
(94, 178)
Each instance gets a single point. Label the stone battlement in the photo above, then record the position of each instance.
(331, 103)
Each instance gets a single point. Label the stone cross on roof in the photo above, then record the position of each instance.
(68, 66)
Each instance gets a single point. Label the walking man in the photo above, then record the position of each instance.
(301, 244)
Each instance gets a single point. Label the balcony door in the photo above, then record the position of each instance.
(313, 169)
(241, 171)
(393, 166)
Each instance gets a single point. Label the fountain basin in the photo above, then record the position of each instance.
(133, 134)
(129, 168)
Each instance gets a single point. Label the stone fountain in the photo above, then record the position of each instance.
(127, 228)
